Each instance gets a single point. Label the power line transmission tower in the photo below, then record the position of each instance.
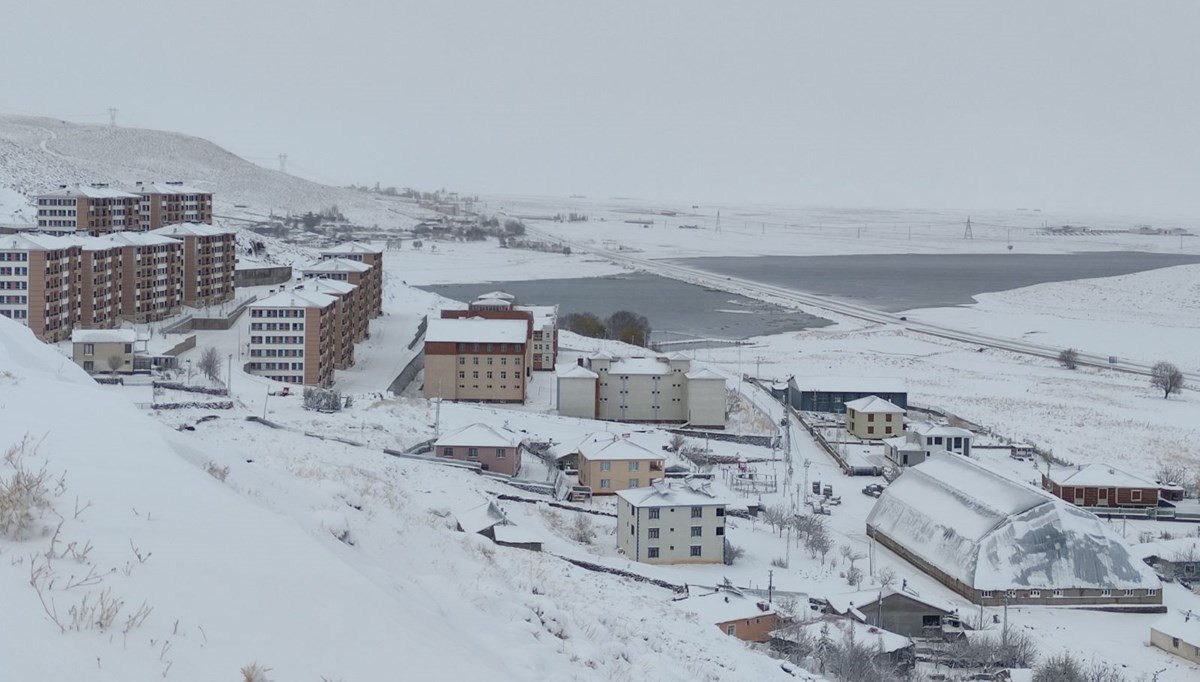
(967, 234)
(718, 227)
(283, 163)
(112, 117)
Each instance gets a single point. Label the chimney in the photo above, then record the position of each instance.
(580, 362)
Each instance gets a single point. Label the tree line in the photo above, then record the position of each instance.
(624, 325)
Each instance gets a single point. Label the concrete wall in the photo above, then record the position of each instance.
(1182, 649)
(900, 615)
(706, 402)
(507, 383)
(577, 397)
(675, 540)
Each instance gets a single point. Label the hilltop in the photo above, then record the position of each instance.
(39, 154)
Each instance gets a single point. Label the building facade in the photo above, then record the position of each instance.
(100, 283)
(1101, 485)
(830, 394)
(95, 210)
(103, 350)
(371, 280)
(349, 327)
(170, 203)
(609, 463)
(476, 360)
(38, 283)
(293, 338)
(661, 389)
(671, 522)
(495, 450)
(209, 262)
(151, 275)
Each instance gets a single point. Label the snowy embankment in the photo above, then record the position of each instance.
(306, 556)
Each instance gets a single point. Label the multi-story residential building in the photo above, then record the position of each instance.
(100, 282)
(672, 522)
(293, 338)
(371, 281)
(543, 324)
(874, 418)
(103, 350)
(349, 271)
(476, 359)
(95, 209)
(642, 389)
(169, 203)
(209, 261)
(609, 463)
(151, 275)
(38, 283)
(349, 323)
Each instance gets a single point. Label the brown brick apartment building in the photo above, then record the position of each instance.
(371, 282)
(209, 261)
(171, 203)
(476, 359)
(151, 275)
(99, 209)
(293, 338)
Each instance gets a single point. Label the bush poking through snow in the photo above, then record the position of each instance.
(1069, 358)
(779, 562)
(322, 400)
(733, 553)
(582, 530)
(217, 472)
(255, 673)
(24, 493)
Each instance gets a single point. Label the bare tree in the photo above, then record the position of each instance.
(677, 442)
(1069, 358)
(1167, 378)
(210, 363)
(115, 362)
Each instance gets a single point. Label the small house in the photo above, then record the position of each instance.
(1176, 559)
(1101, 485)
(906, 613)
(609, 462)
(1178, 633)
(495, 450)
(103, 350)
(749, 618)
(889, 647)
(873, 418)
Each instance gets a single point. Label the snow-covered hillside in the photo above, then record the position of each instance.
(38, 154)
(137, 564)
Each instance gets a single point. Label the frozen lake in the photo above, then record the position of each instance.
(898, 282)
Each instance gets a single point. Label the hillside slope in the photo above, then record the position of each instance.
(38, 154)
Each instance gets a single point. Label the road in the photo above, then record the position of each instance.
(809, 302)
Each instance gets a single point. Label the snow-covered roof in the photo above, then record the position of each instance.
(480, 517)
(335, 265)
(702, 374)
(543, 315)
(190, 230)
(351, 247)
(103, 336)
(839, 629)
(1175, 549)
(479, 435)
(91, 192)
(927, 428)
(576, 372)
(1103, 475)
(903, 444)
(611, 446)
(139, 239)
(499, 294)
(295, 299)
(724, 605)
(993, 533)
(875, 404)
(679, 355)
(323, 285)
(601, 355)
(845, 384)
(1184, 624)
(492, 301)
(168, 188)
(688, 492)
(475, 330)
(516, 535)
(642, 366)
(34, 242)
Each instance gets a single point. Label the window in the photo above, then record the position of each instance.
(89, 349)
(697, 531)
(605, 466)
(697, 512)
(88, 365)
(633, 466)
(654, 513)
(870, 418)
(1151, 592)
(931, 621)
(475, 374)
(462, 361)
(1175, 642)
(720, 511)
(887, 417)
(1135, 496)
(1105, 593)
(500, 454)
(695, 550)
(447, 452)
(1010, 594)
(462, 375)
(1058, 593)
(986, 594)
(870, 429)
(1130, 593)
(605, 484)
(720, 530)
(731, 629)
(653, 533)
(474, 361)
(651, 552)
(1034, 594)
(633, 483)
(472, 452)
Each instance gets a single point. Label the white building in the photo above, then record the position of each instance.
(1178, 633)
(643, 389)
(922, 439)
(671, 522)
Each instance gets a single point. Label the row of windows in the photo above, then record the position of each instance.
(13, 300)
(475, 361)
(276, 353)
(277, 365)
(15, 314)
(1035, 594)
(490, 347)
(287, 379)
(276, 339)
(652, 552)
(277, 326)
(474, 452)
(271, 312)
(14, 286)
(503, 387)
(9, 256)
(475, 375)
(606, 465)
(697, 531)
(697, 512)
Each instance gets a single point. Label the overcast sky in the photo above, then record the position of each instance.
(1089, 105)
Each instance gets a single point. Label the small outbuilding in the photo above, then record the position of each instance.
(1102, 485)
(749, 618)
(1178, 633)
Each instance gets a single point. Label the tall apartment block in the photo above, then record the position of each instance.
(209, 257)
(151, 275)
(99, 282)
(293, 338)
(99, 209)
(371, 282)
(37, 283)
(476, 359)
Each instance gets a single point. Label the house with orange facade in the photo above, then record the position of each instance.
(735, 613)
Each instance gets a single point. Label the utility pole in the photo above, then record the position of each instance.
(718, 227)
(112, 117)
(265, 397)
(229, 378)
(283, 163)
(770, 585)
(967, 234)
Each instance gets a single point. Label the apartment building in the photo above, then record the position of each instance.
(349, 323)
(642, 389)
(37, 283)
(351, 272)
(94, 209)
(293, 338)
(151, 275)
(543, 324)
(370, 281)
(672, 522)
(209, 261)
(170, 203)
(476, 359)
(99, 282)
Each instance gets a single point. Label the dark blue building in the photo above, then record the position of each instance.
(830, 394)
